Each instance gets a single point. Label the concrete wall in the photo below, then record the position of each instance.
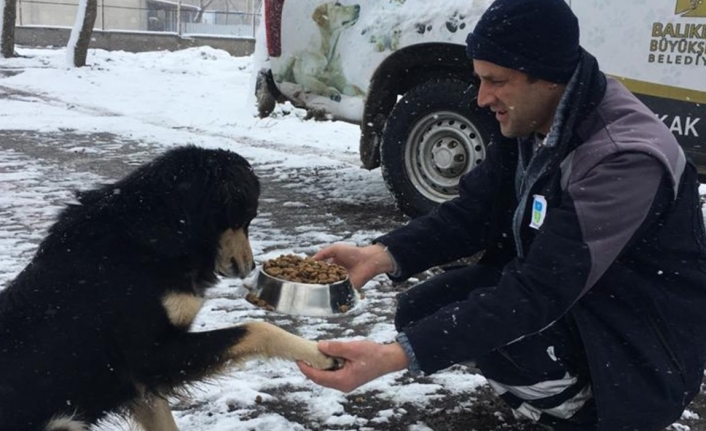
(132, 41)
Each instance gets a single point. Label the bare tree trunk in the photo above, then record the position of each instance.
(9, 14)
(82, 31)
(202, 9)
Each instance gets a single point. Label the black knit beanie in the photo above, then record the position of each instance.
(537, 37)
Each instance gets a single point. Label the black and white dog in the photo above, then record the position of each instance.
(99, 320)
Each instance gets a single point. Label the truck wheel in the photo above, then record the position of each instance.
(435, 133)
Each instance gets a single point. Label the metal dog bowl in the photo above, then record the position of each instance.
(304, 299)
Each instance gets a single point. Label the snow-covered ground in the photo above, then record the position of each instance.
(203, 96)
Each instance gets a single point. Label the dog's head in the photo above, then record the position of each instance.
(192, 205)
(334, 16)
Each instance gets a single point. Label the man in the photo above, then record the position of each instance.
(586, 309)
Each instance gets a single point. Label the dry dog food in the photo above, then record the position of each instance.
(253, 299)
(291, 267)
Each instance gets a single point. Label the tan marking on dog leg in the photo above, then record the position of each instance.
(181, 308)
(154, 414)
(269, 341)
(234, 247)
(66, 423)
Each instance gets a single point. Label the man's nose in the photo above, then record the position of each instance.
(484, 96)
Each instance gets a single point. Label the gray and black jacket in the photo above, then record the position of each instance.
(621, 251)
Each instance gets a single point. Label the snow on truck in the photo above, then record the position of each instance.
(398, 69)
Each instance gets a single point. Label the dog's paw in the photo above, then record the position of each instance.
(318, 360)
(334, 94)
(323, 362)
(337, 364)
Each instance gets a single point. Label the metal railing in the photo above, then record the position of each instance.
(170, 16)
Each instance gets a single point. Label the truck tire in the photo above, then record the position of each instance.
(435, 133)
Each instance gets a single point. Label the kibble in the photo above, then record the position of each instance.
(298, 269)
(253, 299)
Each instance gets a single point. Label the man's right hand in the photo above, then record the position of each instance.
(362, 263)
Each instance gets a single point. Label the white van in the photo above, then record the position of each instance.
(398, 68)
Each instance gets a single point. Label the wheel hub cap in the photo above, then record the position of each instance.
(449, 157)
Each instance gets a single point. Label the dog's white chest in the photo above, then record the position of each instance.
(181, 308)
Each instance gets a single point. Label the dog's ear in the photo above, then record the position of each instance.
(160, 224)
(320, 15)
(147, 216)
(182, 202)
(239, 197)
(199, 208)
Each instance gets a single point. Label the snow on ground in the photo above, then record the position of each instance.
(201, 96)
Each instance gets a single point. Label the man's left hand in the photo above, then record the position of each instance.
(363, 361)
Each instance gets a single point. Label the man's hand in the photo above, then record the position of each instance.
(362, 263)
(364, 361)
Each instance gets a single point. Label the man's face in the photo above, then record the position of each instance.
(521, 105)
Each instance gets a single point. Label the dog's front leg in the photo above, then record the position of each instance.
(153, 414)
(184, 357)
(266, 340)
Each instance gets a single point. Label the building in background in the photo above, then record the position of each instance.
(213, 17)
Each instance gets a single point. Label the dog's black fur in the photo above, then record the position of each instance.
(98, 322)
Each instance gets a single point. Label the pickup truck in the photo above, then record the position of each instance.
(398, 69)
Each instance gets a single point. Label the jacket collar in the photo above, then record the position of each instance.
(583, 93)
